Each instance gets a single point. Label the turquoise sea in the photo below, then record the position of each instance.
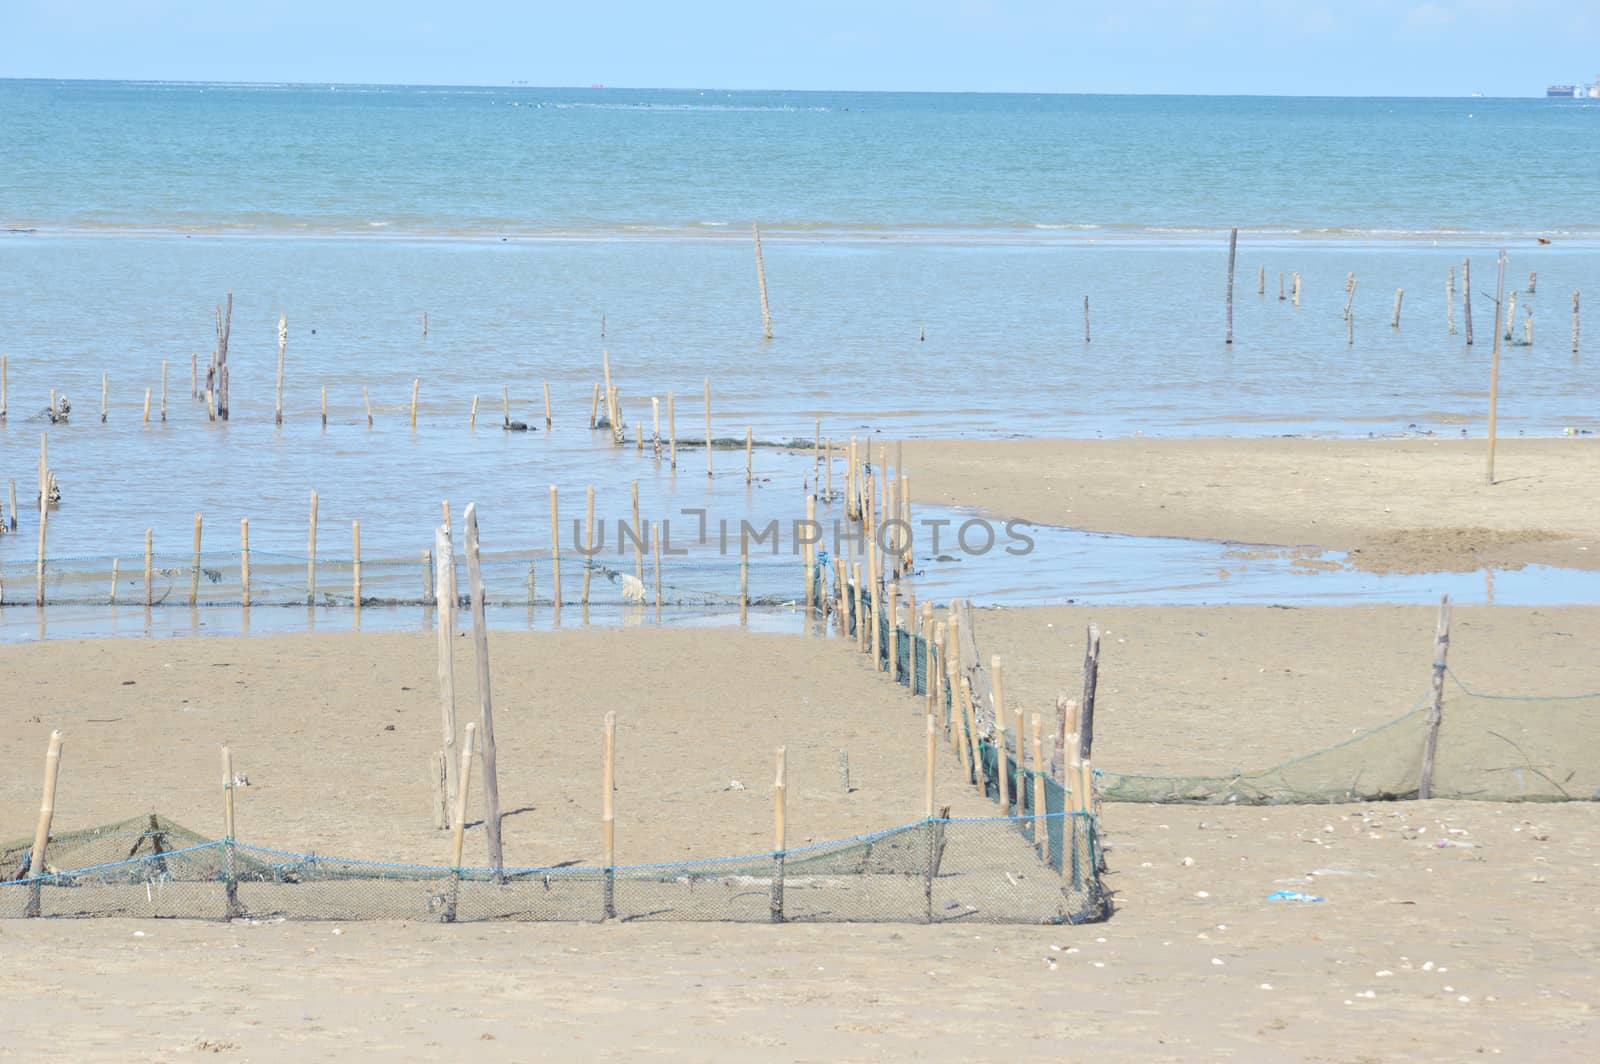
(927, 256)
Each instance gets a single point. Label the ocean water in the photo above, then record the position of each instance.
(927, 258)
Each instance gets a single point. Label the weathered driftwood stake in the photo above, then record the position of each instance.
(1533, 281)
(891, 615)
(505, 407)
(1430, 738)
(1233, 249)
(780, 832)
(761, 279)
(2, 387)
(930, 678)
(1296, 291)
(194, 375)
(444, 561)
(1280, 286)
(244, 562)
(472, 418)
(324, 406)
(861, 615)
(1399, 294)
(283, 342)
(608, 817)
(555, 548)
(480, 642)
(47, 812)
(1494, 362)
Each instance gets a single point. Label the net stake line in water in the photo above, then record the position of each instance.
(480, 642)
(1430, 738)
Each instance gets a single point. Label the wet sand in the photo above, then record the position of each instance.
(1416, 925)
(1412, 505)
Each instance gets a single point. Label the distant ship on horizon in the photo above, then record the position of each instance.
(1574, 92)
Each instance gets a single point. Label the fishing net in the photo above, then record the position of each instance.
(935, 871)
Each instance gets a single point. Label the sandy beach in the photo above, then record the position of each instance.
(1418, 951)
(1412, 505)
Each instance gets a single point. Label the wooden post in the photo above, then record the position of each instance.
(588, 543)
(907, 559)
(1280, 286)
(424, 325)
(809, 558)
(608, 819)
(324, 406)
(1466, 297)
(672, 432)
(861, 605)
(547, 405)
(194, 570)
(1533, 280)
(1574, 328)
(355, 563)
(1394, 321)
(115, 562)
(103, 401)
(505, 407)
(1430, 738)
(444, 562)
(1066, 724)
(1450, 301)
(480, 640)
(367, 398)
(1001, 768)
(1296, 291)
(748, 430)
(148, 552)
(47, 812)
(472, 418)
(969, 736)
(1349, 293)
(891, 615)
(283, 341)
(38, 594)
(230, 877)
(1233, 248)
(416, 382)
(1041, 833)
(708, 427)
(744, 573)
(13, 494)
(927, 787)
(1261, 280)
(465, 777)
(244, 562)
(1091, 678)
(780, 833)
(761, 279)
(611, 410)
(555, 547)
(638, 536)
(163, 389)
(194, 376)
(2, 387)
(594, 407)
(146, 419)
(1509, 318)
(930, 679)
(311, 556)
(655, 546)
(438, 774)
(1494, 363)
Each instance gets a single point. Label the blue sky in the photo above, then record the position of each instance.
(1293, 47)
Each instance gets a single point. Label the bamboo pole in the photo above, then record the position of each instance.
(971, 763)
(367, 398)
(416, 383)
(655, 546)
(355, 576)
(748, 432)
(952, 658)
(997, 682)
(588, 543)
(444, 562)
(324, 406)
(311, 555)
(761, 280)
(891, 611)
(1494, 363)
(38, 593)
(194, 569)
(1091, 680)
(744, 573)
(1533, 280)
(1450, 301)
(970, 707)
(1399, 295)
(908, 559)
(1261, 280)
(611, 410)
(1430, 738)
(547, 405)
(1233, 248)
(608, 818)
(472, 418)
(1020, 790)
(655, 428)
(555, 547)
(672, 432)
(1574, 328)
(841, 587)
(480, 640)
(708, 427)
(146, 408)
(861, 618)
(2, 387)
(230, 877)
(283, 341)
(1085, 319)
(1041, 834)
(148, 560)
(780, 832)
(47, 812)
(929, 681)
(505, 408)
(115, 562)
(464, 775)
(941, 676)
(638, 534)
(809, 558)
(927, 787)
(1466, 297)
(594, 407)
(244, 562)
(1296, 291)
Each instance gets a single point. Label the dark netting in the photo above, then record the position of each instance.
(939, 870)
